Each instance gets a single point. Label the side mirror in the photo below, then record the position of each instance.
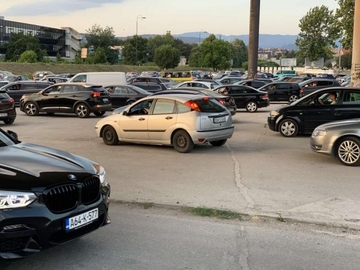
(13, 135)
(125, 113)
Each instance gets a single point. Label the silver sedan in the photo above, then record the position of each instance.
(340, 139)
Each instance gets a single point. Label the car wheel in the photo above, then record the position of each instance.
(82, 110)
(348, 151)
(9, 121)
(182, 142)
(110, 136)
(218, 143)
(288, 128)
(251, 106)
(100, 113)
(292, 98)
(31, 108)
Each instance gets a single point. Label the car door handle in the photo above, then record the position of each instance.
(141, 119)
(168, 117)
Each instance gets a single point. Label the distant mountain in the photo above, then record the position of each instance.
(265, 40)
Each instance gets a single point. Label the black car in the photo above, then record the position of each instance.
(316, 83)
(227, 101)
(47, 197)
(7, 108)
(81, 99)
(253, 83)
(283, 91)
(305, 114)
(150, 86)
(19, 88)
(245, 97)
(122, 95)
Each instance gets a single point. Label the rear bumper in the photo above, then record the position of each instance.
(101, 107)
(202, 137)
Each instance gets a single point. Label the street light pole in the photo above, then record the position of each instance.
(136, 36)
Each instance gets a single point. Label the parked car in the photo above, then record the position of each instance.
(199, 84)
(253, 83)
(229, 80)
(150, 86)
(283, 91)
(47, 197)
(37, 75)
(316, 83)
(340, 139)
(178, 120)
(245, 97)
(227, 101)
(2, 83)
(7, 108)
(99, 78)
(122, 95)
(158, 80)
(307, 113)
(326, 75)
(81, 99)
(54, 79)
(19, 88)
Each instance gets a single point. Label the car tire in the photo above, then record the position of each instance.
(82, 110)
(31, 108)
(348, 151)
(292, 98)
(110, 136)
(182, 142)
(288, 128)
(218, 143)
(9, 121)
(100, 113)
(251, 106)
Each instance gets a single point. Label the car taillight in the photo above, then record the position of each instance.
(222, 101)
(11, 100)
(301, 91)
(266, 96)
(95, 94)
(192, 105)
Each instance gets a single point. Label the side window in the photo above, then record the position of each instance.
(182, 108)
(236, 90)
(109, 89)
(141, 108)
(131, 92)
(27, 86)
(53, 90)
(352, 97)
(69, 88)
(14, 87)
(120, 90)
(164, 106)
(80, 78)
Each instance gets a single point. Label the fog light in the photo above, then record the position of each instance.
(14, 227)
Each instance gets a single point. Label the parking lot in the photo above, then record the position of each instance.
(258, 171)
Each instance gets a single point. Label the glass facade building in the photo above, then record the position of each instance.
(52, 40)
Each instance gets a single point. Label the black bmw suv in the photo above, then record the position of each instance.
(81, 99)
(47, 197)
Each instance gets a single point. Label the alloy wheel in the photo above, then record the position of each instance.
(349, 152)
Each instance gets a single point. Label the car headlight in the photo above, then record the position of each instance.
(319, 133)
(15, 199)
(100, 171)
(274, 113)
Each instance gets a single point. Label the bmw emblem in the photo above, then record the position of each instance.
(72, 177)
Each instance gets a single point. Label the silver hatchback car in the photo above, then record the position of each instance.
(178, 120)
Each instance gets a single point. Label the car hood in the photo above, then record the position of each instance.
(355, 122)
(28, 165)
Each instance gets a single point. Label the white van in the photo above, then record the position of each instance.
(100, 78)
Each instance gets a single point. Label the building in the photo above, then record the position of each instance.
(64, 41)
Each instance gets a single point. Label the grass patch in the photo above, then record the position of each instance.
(209, 212)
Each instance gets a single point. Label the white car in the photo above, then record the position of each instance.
(199, 84)
(178, 120)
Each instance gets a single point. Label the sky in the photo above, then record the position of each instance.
(226, 17)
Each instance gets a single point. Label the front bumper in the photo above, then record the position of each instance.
(271, 123)
(26, 231)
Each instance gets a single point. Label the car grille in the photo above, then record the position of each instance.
(12, 244)
(64, 198)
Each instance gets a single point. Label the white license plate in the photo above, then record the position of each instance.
(3, 114)
(81, 220)
(105, 100)
(219, 119)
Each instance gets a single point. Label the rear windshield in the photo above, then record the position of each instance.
(209, 105)
(4, 96)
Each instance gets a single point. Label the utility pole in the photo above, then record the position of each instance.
(355, 63)
(253, 38)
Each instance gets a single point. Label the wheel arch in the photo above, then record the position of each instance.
(337, 141)
(104, 126)
(176, 130)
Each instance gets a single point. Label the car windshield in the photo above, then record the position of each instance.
(5, 139)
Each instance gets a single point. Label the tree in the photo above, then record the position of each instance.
(19, 43)
(215, 53)
(167, 57)
(318, 34)
(345, 17)
(104, 38)
(98, 57)
(129, 51)
(194, 58)
(239, 53)
(28, 56)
